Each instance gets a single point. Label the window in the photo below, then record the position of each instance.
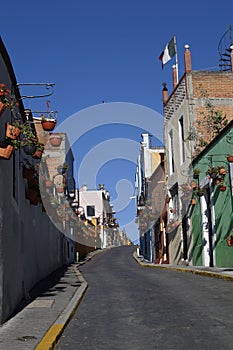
(171, 152)
(90, 210)
(181, 140)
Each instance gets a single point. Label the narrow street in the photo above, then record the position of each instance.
(129, 307)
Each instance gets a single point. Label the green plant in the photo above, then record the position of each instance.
(196, 171)
(208, 124)
(62, 168)
(7, 98)
(199, 191)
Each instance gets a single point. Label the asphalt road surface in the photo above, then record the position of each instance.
(131, 307)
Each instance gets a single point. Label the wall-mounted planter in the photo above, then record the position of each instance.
(37, 154)
(222, 171)
(229, 241)
(222, 188)
(48, 124)
(2, 107)
(6, 151)
(193, 201)
(230, 159)
(12, 131)
(55, 140)
(29, 149)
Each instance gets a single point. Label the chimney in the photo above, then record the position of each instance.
(145, 140)
(165, 93)
(231, 47)
(174, 76)
(187, 59)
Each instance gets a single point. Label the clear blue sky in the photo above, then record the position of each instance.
(108, 50)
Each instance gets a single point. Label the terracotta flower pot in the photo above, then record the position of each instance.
(222, 188)
(222, 171)
(55, 140)
(6, 152)
(48, 125)
(2, 107)
(12, 131)
(37, 154)
(230, 159)
(229, 241)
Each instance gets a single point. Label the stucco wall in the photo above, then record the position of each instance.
(30, 246)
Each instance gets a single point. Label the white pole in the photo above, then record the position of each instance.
(177, 74)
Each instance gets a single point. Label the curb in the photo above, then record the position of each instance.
(183, 269)
(50, 339)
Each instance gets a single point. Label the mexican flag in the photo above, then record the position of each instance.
(169, 51)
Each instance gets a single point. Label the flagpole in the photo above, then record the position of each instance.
(177, 75)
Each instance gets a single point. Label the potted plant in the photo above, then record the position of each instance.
(193, 201)
(222, 170)
(230, 158)
(196, 173)
(7, 100)
(222, 186)
(212, 172)
(61, 169)
(6, 150)
(229, 240)
(48, 123)
(39, 151)
(12, 130)
(200, 191)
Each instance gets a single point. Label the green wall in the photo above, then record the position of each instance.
(216, 153)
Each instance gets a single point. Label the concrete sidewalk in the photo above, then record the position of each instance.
(216, 272)
(42, 319)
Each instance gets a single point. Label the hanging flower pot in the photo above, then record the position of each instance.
(48, 124)
(61, 169)
(229, 241)
(12, 131)
(212, 172)
(29, 148)
(55, 140)
(2, 107)
(222, 187)
(194, 185)
(6, 151)
(222, 170)
(37, 154)
(196, 173)
(230, 159)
